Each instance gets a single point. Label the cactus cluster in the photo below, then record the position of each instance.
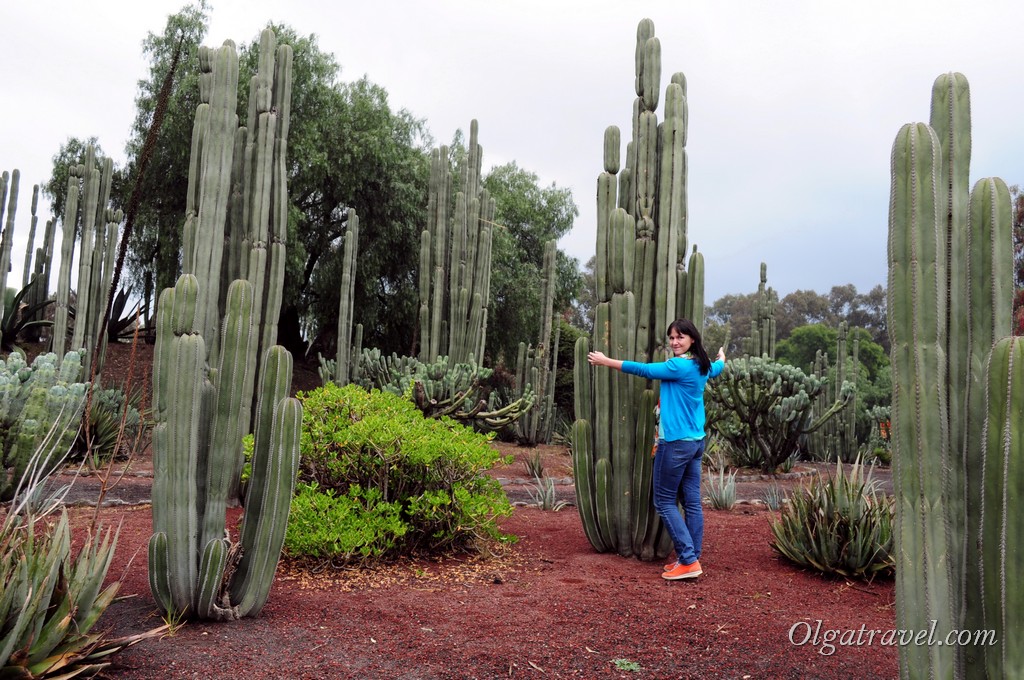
(838, 438)
(642, 286)
(536, 366)
(955, 430)
(35, 401)
(455, 260)
(442, 388)
(195, 441)
(762, 332)
(202, 412)
(757, 402)
(88, 194)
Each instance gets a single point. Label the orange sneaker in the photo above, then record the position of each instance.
(671, 565)
(681, 571)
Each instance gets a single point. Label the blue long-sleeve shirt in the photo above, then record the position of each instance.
(681, 393)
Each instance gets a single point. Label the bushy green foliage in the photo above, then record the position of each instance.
(377, 479)
(840, 526)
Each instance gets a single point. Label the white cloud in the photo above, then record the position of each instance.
(793, 105)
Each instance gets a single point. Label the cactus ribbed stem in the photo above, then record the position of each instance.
(641, 282)
(917, 326)
(198, 437)
(453, 313)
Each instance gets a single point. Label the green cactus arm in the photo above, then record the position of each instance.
(644, 466)
(583, 479)
(160, 572)
(225, 451)
(211, 575)
(921, 449)
(1002, 536)
(251, 583)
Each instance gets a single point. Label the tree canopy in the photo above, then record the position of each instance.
(348, 149)
(528, 215)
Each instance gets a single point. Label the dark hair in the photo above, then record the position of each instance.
(686, 327)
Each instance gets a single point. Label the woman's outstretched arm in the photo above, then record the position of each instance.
(600, 359)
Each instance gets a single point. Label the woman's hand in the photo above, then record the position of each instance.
(597, 359)
(721, 355)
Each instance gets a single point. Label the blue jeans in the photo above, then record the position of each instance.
(677, 477)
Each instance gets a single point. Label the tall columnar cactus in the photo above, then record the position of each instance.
(7, 240)
(643, 284)
(762, 333)
(838, 437)
(210, 180)
(455, 260)
(237, 195)
(921, 446)
(26, 276)
(343, 363)
(536, 366)
(89, 186)
(196, 439)
(950, 295)
(67, 251)
(202, 414)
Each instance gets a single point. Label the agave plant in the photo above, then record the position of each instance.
(722, 490)
(19, 317)
(843, 525)
(49, 600)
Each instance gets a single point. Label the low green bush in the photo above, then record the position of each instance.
(840, 526)
(378, 480)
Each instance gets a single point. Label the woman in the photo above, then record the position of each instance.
(680, 438)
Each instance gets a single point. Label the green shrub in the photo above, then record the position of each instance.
(377, 480)
(839, 526)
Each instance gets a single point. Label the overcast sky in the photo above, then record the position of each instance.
(793, 106)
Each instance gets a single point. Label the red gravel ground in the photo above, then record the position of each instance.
(548, 606)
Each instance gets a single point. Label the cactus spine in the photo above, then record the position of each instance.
(950, 283)
(643, 284)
